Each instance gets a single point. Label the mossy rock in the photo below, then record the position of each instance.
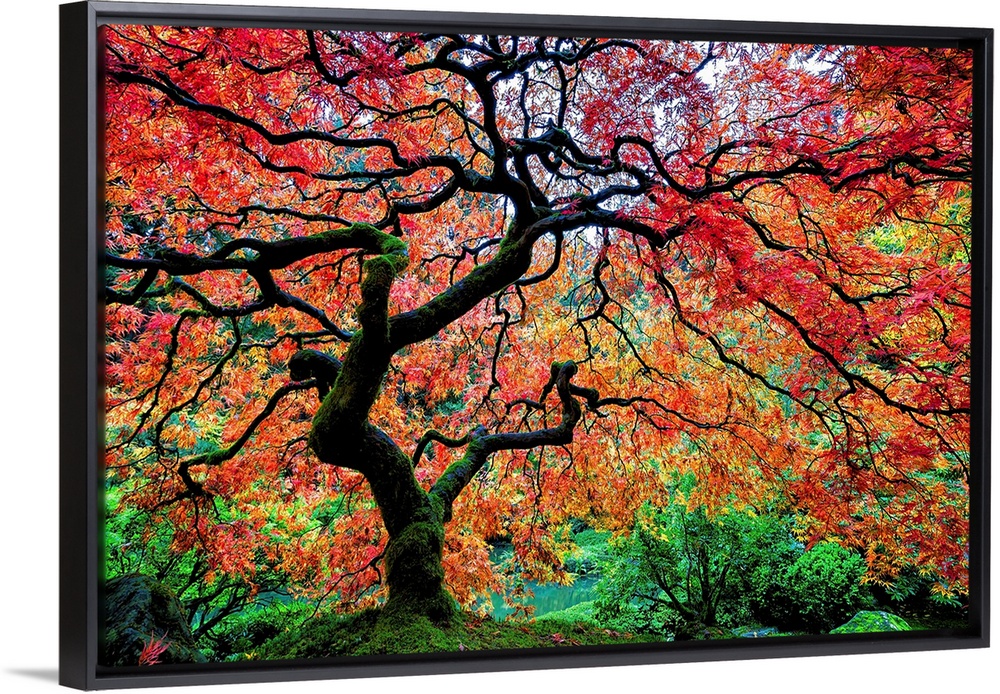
(138, 609)
(867, 621)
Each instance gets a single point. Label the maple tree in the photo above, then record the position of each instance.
(377, 299)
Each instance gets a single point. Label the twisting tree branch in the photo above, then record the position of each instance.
(481, 444)
(221, 455)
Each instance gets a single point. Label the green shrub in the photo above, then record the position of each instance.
(591, 550)
(581, 613)
(822, 589)
(617, 603)
(243, 633)
(767, 551)
(917, 592)
(679, 570)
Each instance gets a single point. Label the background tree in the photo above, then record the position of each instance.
(681, 573)
(371, 295)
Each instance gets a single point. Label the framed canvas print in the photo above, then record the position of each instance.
(414, 342)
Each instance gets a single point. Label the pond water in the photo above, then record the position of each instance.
(551, 597)
(548, 597)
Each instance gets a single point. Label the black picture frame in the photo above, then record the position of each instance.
(81, 334)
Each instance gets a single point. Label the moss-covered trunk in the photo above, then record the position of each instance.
(343, 435)
(414, 522)
(413, 565)
(415, 573)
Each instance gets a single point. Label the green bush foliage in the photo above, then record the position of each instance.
(227, 615)
(591, 550)
(580, 613)
(679, 570)
(767, 550)
(242, 634)
(821, 590)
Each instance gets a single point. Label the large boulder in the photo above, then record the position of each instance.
(867, 621)
(140, 611)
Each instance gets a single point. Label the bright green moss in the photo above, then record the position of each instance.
(868, 621)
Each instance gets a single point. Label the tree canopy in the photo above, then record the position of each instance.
(375, 300)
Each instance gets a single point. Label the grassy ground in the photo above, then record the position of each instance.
(933, 617)
(363, 634)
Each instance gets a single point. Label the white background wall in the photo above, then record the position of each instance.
(28, 380)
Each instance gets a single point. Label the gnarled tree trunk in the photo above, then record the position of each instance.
(342, 434)
(415, 525)
(413, 517)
